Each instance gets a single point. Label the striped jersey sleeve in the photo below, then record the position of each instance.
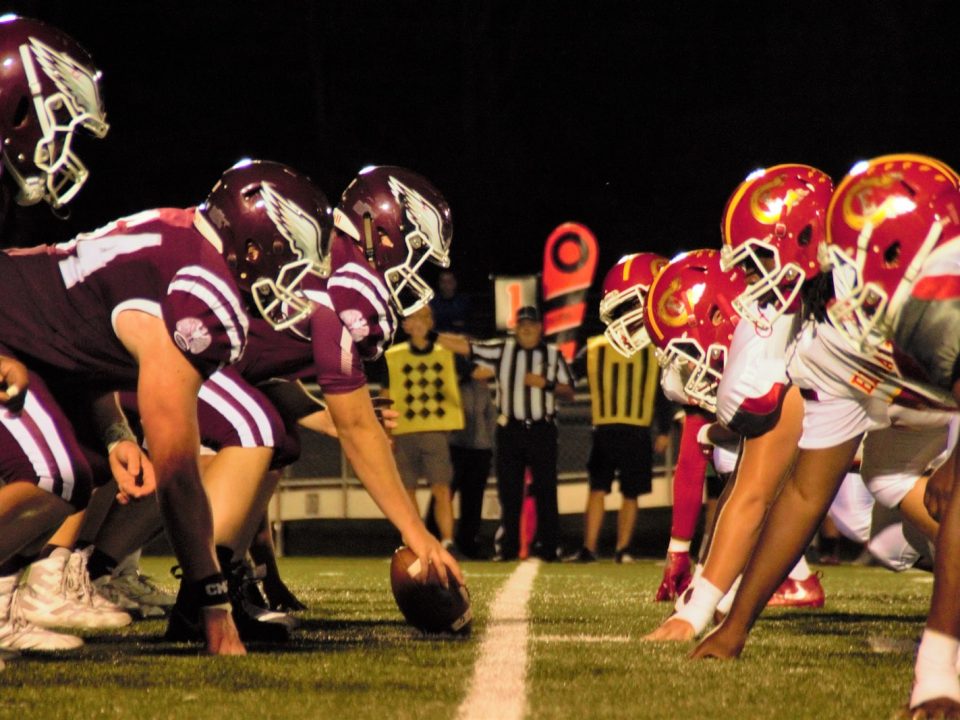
(362, 303)
(487, 352)
(205, 318)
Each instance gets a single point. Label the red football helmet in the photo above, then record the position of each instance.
(882, 224)
(272, 226)
(49, 89)
(400, 221)
(690, 318)
(773, 225)
(621, 306)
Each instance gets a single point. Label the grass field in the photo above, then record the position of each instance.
(355, 658)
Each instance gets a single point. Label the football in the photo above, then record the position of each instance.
(428, 606)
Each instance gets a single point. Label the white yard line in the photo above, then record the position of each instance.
(499, 685)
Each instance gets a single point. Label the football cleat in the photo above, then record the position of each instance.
(44, 599)
(79, 584)
(676, 576)
(113, 592)
(623, 557)
(799, 593)
(18, 633)
(139, 587)
(583, 555)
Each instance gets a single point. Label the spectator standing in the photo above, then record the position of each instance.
(471, 451)
(531, 374)
(422, 382)
(451, 310)
(624, 402)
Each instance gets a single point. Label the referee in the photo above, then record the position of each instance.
(531, 375)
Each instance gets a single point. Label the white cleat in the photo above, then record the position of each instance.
(79, 585)
(18, 633)
(45, 599)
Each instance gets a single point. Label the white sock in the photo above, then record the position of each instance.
(726, 602)
(677, 545)
(697, 571)
(935, 674)
(699, 604)
(801, 571)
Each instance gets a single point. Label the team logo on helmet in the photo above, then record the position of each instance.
(671, 306)
(424, 218)
(73, 80)
(192, 335)
(860, 205)
(301, 231)
(768, 208)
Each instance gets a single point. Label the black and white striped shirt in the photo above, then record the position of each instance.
(511, 363)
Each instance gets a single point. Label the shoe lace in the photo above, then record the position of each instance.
(74, 576)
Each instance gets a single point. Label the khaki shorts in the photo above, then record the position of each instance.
(423, 455)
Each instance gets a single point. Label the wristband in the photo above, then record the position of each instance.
(117, 433)
(703, 435)
(211, 591)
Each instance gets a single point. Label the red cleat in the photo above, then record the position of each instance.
(676, 576)
(799, 593)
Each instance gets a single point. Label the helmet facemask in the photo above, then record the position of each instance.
(777, 289)
(701, 371)
(427, 239)
(864, 312)
(75, 105)
(623, 315)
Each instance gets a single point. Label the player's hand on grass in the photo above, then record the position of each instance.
(13, 383)
(431, 553)
(132, 470)
(221, 632)
(936, 709)
(721, 644)
(673, 629)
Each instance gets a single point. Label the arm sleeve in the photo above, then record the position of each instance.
(336, 358)
(688, 478)
(205, 319)
(487, 353)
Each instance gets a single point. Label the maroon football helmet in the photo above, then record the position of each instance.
(621, 306)
(272, 226)
(49, 89)
(690, 318)
(400, 221)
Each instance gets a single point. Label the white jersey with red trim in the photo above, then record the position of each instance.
(848, 394)
(755, 380)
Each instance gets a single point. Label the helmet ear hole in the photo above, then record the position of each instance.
(253, 251)
(278, 247)
(891, 256)
(803, 239)
(21, 113)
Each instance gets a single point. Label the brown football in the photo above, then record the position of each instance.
(428, 606)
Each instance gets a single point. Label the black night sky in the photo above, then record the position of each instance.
(635, 118)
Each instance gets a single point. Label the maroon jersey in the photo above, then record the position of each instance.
(352, 323)
(58, 303)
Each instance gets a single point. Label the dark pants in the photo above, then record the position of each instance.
(471, 468)
(535, 446)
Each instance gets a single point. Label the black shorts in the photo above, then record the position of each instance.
(624, 448)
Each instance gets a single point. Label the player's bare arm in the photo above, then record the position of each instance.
(368, 449)
(167, 391)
